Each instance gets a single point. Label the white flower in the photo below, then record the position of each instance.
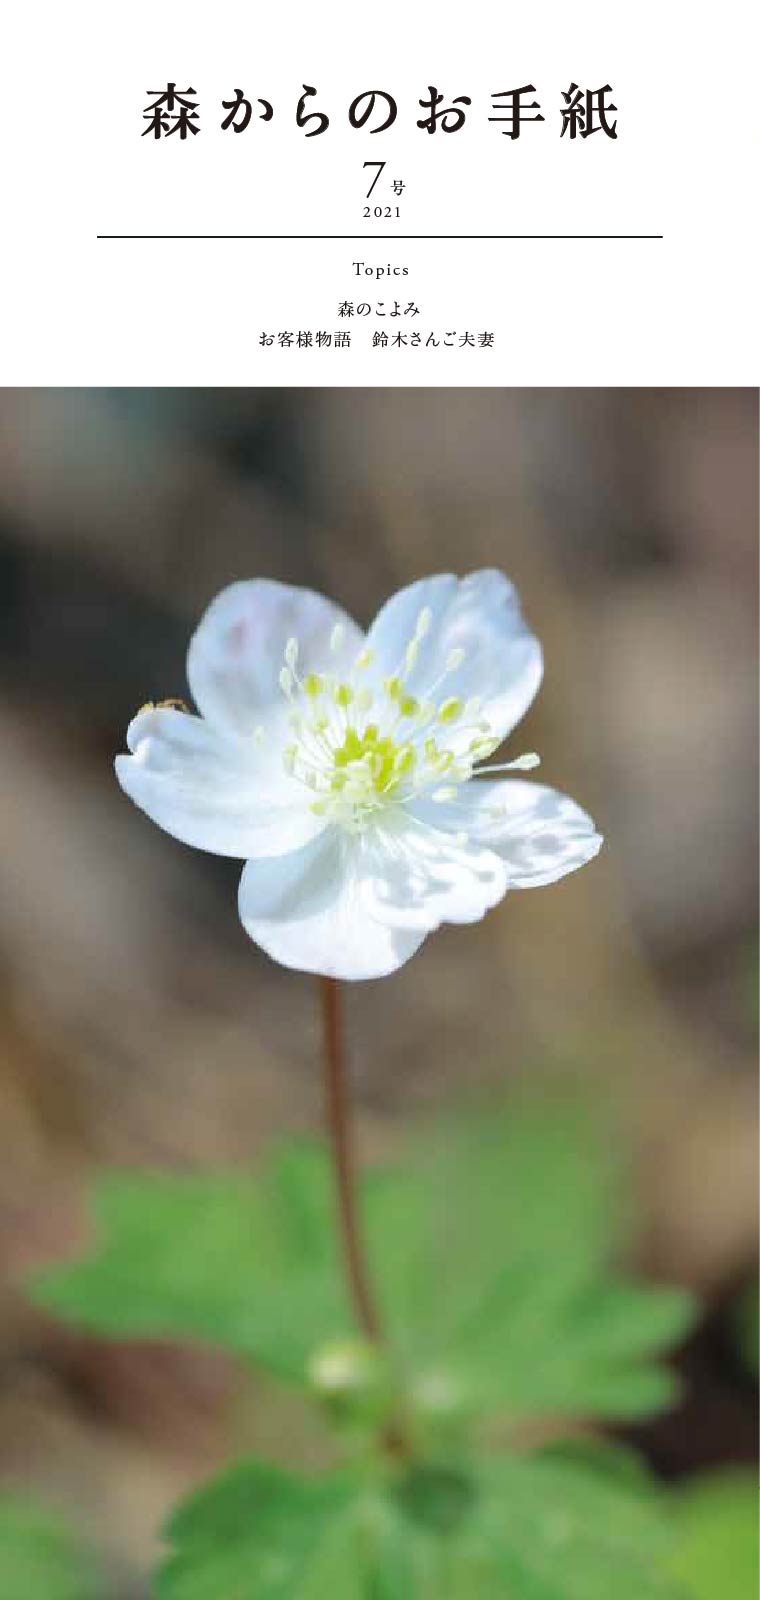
(346, 768)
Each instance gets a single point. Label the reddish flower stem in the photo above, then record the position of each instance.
(344, 1161)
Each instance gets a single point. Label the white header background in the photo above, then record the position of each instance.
(81, 310)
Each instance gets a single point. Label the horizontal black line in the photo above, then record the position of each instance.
(380, 238)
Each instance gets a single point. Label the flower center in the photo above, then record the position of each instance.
(357, 769)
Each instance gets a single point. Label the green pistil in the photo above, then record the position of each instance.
(385, 761)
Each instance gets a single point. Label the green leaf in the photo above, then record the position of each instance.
(491, 1247)
(40, 1559)
(716, 1552)
(258, 1533)
(531, 1528)
(493, 1250)
(553, 1531)
(247, 1263)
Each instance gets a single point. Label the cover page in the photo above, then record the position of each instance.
(378, 863)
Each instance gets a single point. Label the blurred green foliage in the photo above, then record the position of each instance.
(716, 1555)
(495, 1245)
(492, 1245)
(40, 1558)
(541, 1526)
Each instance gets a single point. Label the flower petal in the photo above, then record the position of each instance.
(420, 876)
(539, 834)
(478, 615)
(396, 621)
(213, 790)
(306, 910)
(236, 654)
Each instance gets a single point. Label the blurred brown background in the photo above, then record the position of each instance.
(138, 1024)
